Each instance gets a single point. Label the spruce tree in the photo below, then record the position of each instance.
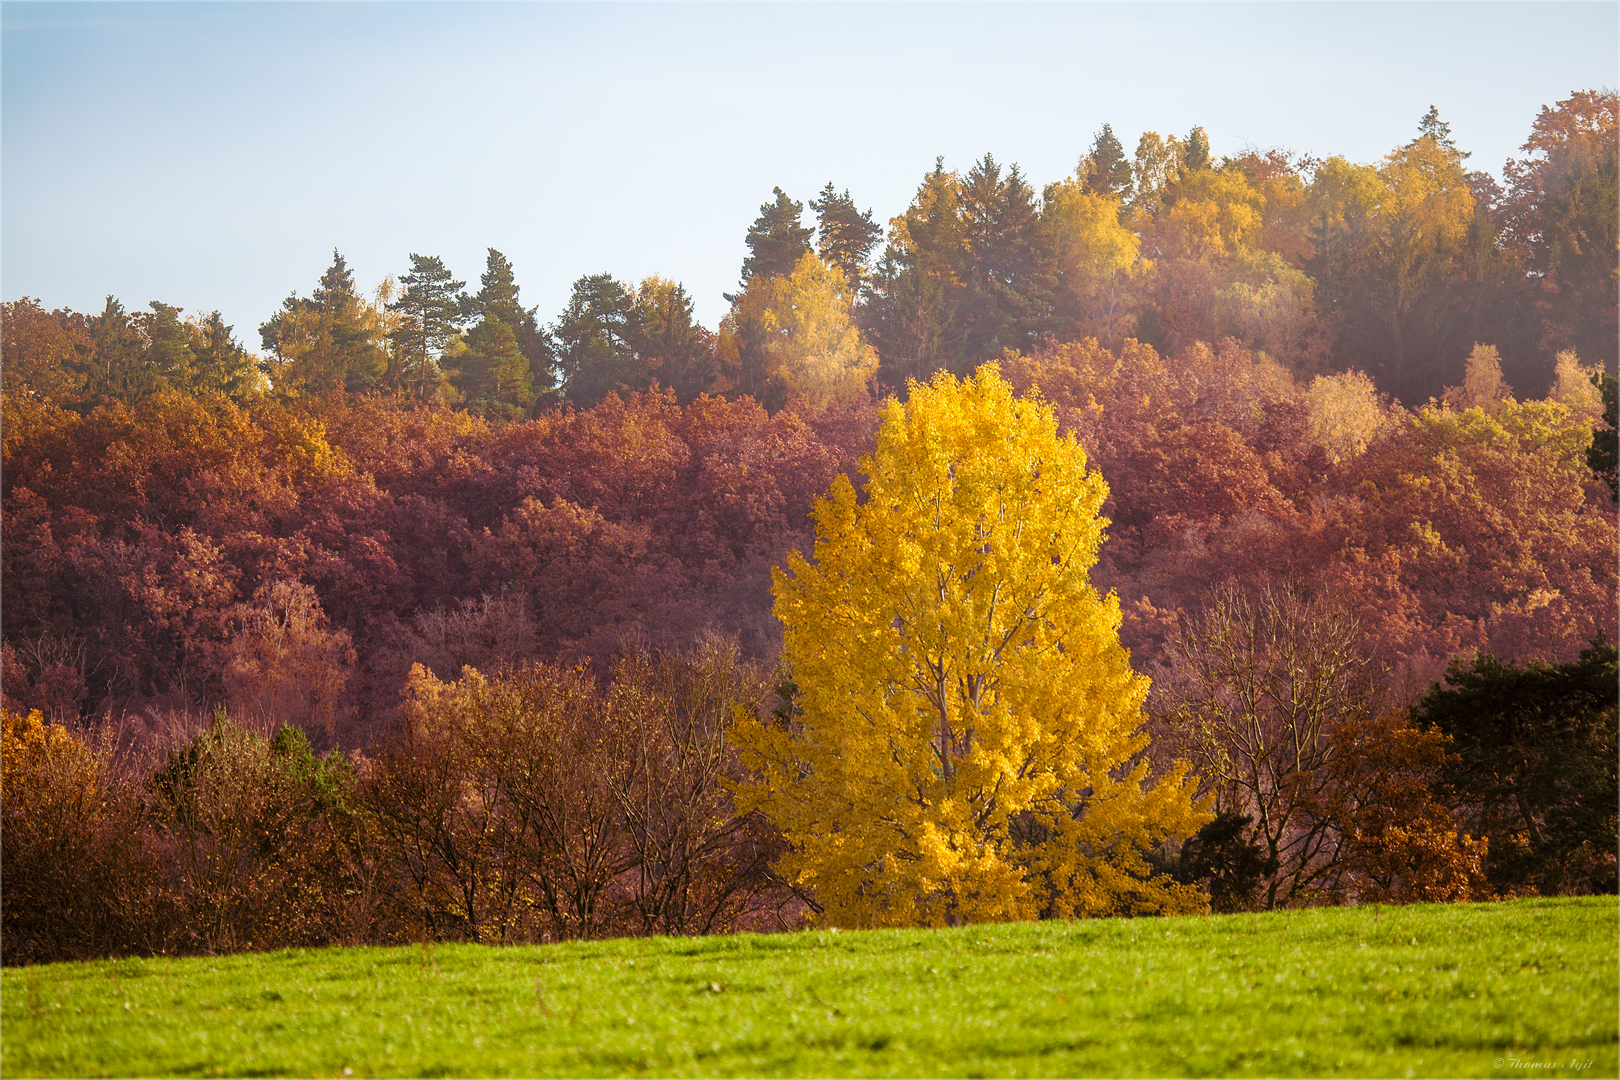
(221, 364)
(1532, 756)
(594, 354)
(1603, 455)
(776, 241)
(918, 284)
(1432, 127)
(114, 369)
(495, 374)
(845, 237)
(1108, 170)
(356, 358)
(1195, 151)
(498, 292)
(1011, 275)
(668, 343)
(168, 357)
(324, 345)
(336, 284)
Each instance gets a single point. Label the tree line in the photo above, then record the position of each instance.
(1396, 269)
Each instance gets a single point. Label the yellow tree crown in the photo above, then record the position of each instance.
(969, 741)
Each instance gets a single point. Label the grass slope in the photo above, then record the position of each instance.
(1528, 987)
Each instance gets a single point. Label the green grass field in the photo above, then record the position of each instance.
(1522, 988)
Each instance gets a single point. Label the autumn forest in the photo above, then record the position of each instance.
(414, 613)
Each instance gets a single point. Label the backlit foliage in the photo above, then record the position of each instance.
(1483, 386)
(1098, 260)
(812, 348)
(969, 738)
(53, 804)
(1345, 414)
(533, 804)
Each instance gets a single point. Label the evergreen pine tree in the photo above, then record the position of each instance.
(1603, 455)
(221, 363)
(1108, 170)
(1432, 127)
(356, 356)
(535, 343)
(498, 292)
(1195, 152)
(668, 343)
(336, 284)
(1011, 277)
(432, 308)
(113, 368)
(594, 354)
(845, 236)
(918, 284)
(776, 240)
(168, 357)
(325, 344)
(495, 375)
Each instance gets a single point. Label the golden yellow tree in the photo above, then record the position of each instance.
(1573, 387)
(967, 745)
(1483, 386)
(1097, 259)
(1215, 213)
(1158, 159)
(1345, 414)
(812, 346)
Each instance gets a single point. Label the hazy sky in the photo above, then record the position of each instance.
(212, 155)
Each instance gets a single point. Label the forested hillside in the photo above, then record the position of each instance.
(1356, 418)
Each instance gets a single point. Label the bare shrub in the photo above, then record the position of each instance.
(260, 841)
(1258, 683)
(698, 866)
(492, 806)
(50, 673)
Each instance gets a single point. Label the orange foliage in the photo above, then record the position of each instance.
(1403, 845)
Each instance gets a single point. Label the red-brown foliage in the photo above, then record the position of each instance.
(146, 533)
(1453, 531)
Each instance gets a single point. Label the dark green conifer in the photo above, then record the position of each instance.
(432, 307)
(220, 363)
(168, 357)
(114, 367)
(324, 345)
(1195, 151)
(594, 354)
(1108, 170)
(776, 241)
(845, 237)
(495, 375)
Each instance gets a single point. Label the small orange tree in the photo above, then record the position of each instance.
(77, 879)
(969, 743)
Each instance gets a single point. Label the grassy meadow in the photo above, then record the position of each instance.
(1462, 990)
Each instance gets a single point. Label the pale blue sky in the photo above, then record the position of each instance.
(212, 155)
